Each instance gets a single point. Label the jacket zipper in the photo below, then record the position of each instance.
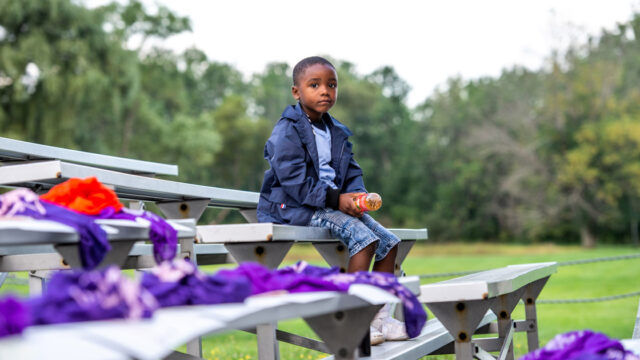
(340, 163)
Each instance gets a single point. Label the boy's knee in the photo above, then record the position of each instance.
(371, 248)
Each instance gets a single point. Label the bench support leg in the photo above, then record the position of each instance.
(461, 319)
(250, 215)
(530, 296)
(187, 251)
(116, 256)
(189, 209)
(268, 346)
(37, 281)
(403, 250)
(503, 307)
(194, 347)
(343, 331)
(298, 340)
(334, 253)
(636, 329)
(269, 254)
(3, 277)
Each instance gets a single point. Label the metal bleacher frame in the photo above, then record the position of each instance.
(481, 299)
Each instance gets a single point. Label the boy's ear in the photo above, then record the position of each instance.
(295, 92)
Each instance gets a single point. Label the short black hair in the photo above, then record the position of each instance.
(303, 64)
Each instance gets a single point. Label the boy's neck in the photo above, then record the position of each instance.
(319, 119)
(316, 119)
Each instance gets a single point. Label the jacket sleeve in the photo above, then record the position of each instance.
(287, 157)
(353, 178)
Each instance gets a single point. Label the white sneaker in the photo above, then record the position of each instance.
(394, 330)
(375, 336)
(378, 320)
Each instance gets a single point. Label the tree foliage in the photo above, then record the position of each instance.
(545, 155)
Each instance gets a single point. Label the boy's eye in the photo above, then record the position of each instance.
(314, 85)
(333, 86)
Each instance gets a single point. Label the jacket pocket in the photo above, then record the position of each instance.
(277, 196)
(280, 198)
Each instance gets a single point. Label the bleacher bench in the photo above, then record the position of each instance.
(16, 151)
(41, 245)
(461, 303)
(41, 167)
(182, 200)
(463, 307)
(156, 338)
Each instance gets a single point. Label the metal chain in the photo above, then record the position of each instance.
(12, 279)
(430, 276)
(563, 263)
(600, 299)
(609, 258)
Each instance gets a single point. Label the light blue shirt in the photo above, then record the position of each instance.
(323, 143)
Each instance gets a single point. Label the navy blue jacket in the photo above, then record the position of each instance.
(291, 190)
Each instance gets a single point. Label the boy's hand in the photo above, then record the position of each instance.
(347, 206)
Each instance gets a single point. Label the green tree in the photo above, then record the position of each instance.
(272, 91)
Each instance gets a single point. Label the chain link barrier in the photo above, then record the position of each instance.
(562, 263)
(600, 299)
(12, 279)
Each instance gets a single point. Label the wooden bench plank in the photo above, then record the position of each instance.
(16, 150)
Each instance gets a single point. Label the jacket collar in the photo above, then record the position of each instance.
(339, 133)
(295, 113)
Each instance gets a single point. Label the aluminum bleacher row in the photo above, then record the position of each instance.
(40, 245)
(264, 243)
(461, 306)
(464, 307)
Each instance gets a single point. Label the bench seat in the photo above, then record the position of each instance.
(44, 175)
(460, 303)
(12, 151)
(29, 244)
(258, 232)
(268, 243)
(40, 167)
(169, 328)
(433, 339)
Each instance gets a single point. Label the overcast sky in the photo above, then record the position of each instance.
(425, 41)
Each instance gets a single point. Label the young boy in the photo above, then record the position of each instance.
(313, 179)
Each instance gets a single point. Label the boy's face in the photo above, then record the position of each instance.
(317, 90)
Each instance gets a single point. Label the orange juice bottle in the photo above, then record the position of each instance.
(368, 202)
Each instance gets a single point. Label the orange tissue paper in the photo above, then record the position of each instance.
(87, 196)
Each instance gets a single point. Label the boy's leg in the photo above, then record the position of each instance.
(361, 261)
(388, 263)
(361, 241)
(387, 249)
(386, 253)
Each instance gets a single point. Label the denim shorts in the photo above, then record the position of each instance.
(356, 233)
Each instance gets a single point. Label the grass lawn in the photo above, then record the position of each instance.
(585, 281)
